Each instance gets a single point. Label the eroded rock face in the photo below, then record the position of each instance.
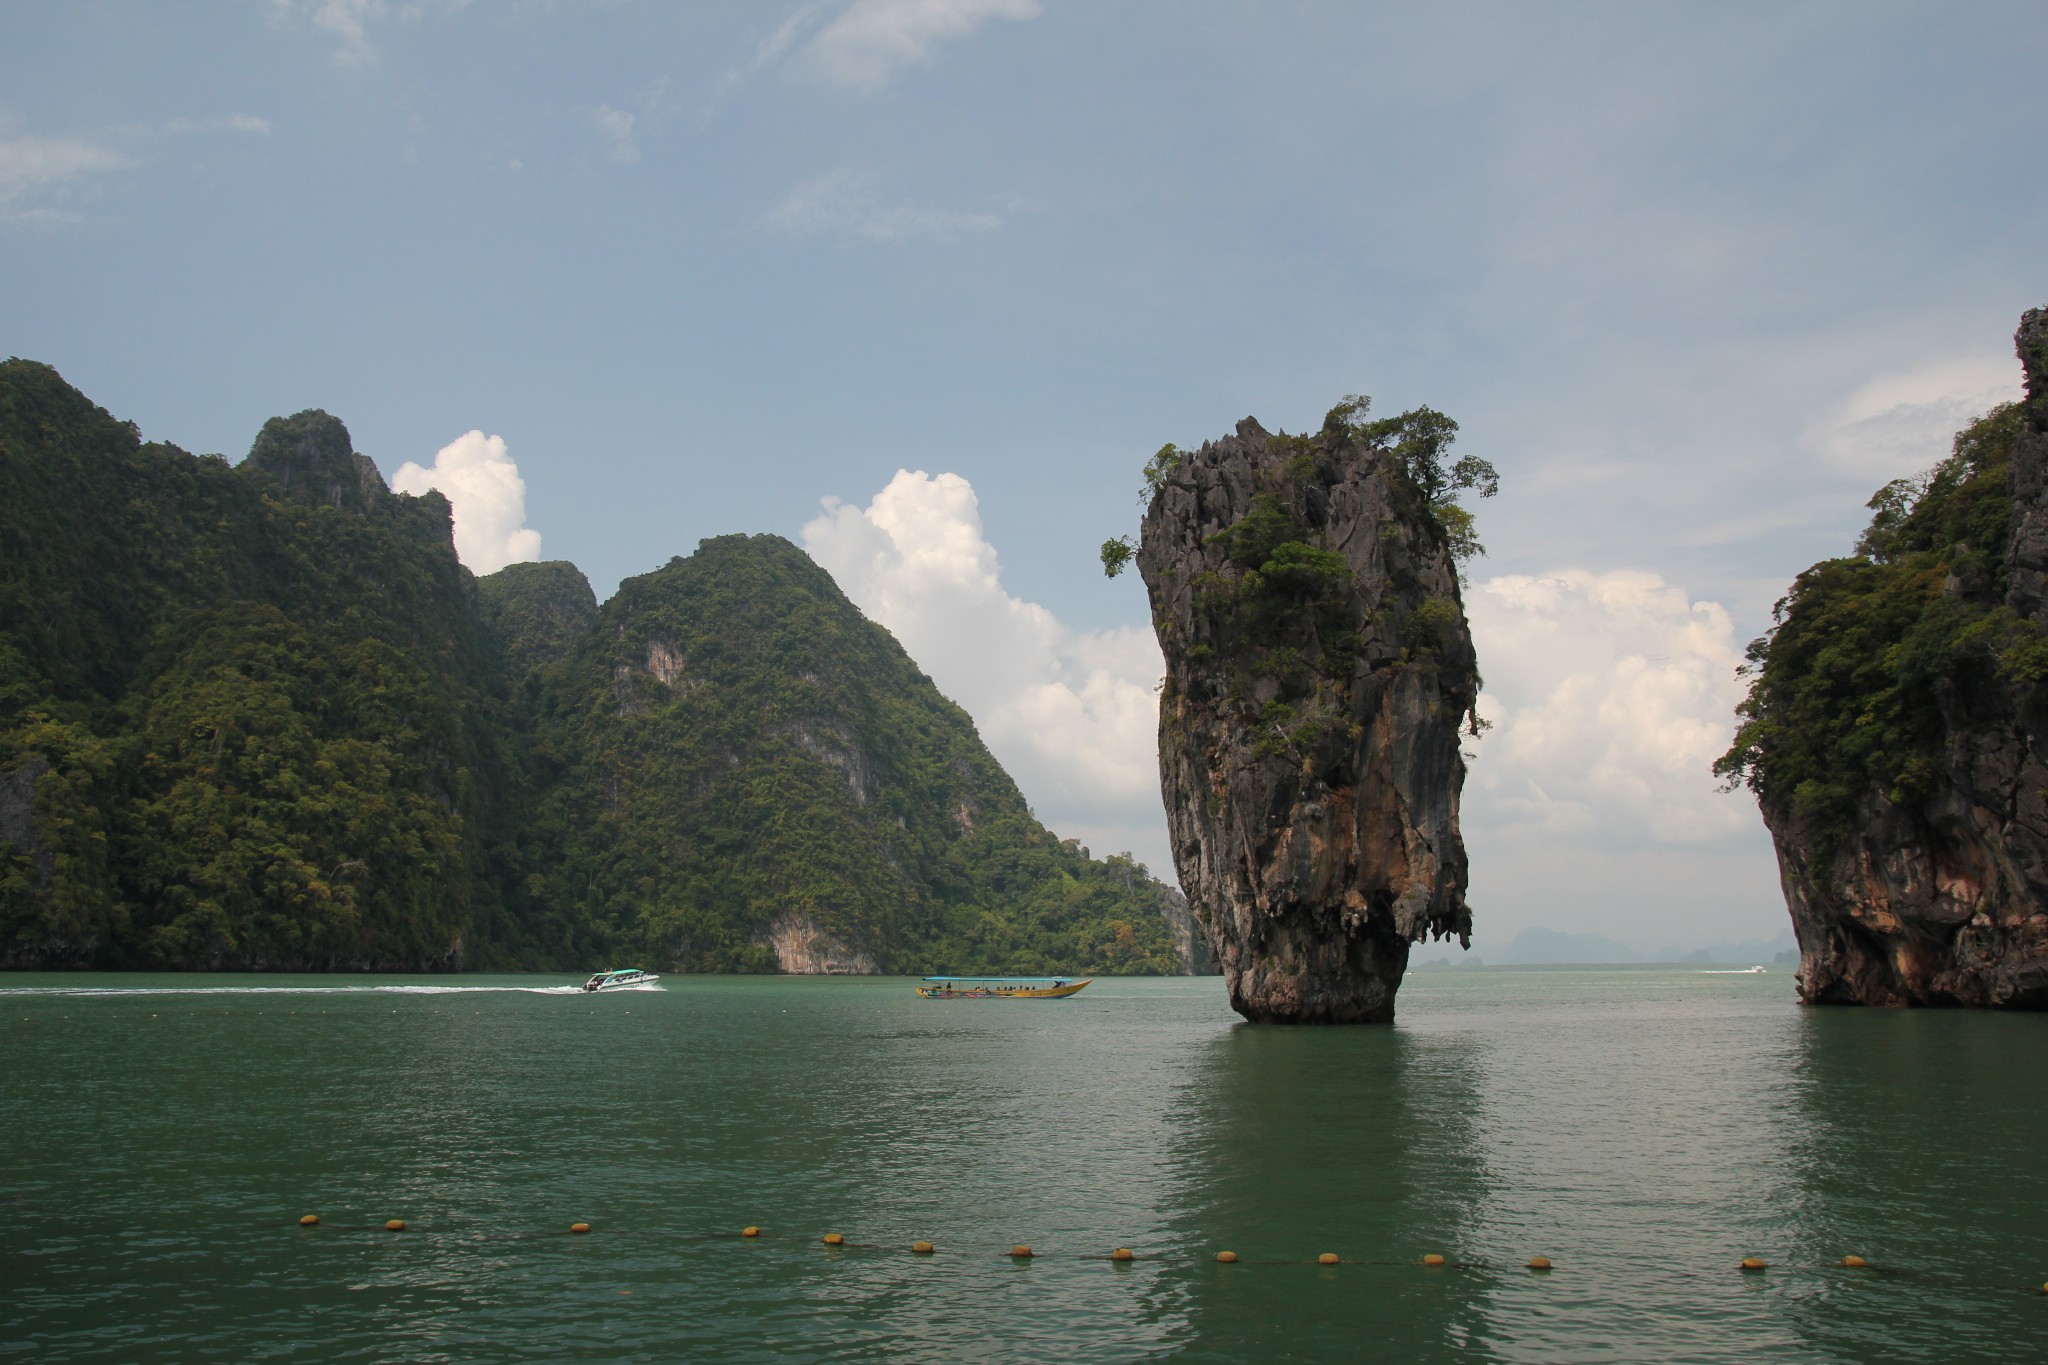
(1945, 901)
(1936, 906)
(803, 949)
(1309, 720)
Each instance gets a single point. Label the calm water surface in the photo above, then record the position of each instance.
(160, 1136)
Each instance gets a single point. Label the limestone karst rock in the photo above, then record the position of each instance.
(1894, 736)
(260, 717)
(1318, 670)
(309, 456)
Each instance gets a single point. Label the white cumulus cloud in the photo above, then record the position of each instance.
(1899, 424)
(1070, 714)
(871, 42)
(1611, 695)
(482, 485)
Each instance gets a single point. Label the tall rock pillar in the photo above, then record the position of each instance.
(1318, 670)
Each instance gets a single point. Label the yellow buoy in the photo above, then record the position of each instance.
(1539, 1263)
(1227, 1257)
(1121, 1254)
(1327, 1258)
(395, 1225)
(1432, 1259)
(833, 1239)
(1020, 1251)
(310, 1220)
(1854, 1262)
(750, 1232)
(579, 1227)
(921, 1248)
(1754, 1263)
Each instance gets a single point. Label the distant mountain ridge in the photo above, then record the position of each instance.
(259, 717)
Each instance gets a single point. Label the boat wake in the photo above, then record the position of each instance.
(308, 990)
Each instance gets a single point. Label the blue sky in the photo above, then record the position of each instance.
(1696, 279)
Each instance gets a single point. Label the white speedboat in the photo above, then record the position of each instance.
(619, 979)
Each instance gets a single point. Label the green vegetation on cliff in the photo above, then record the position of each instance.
(735, 755)
(259, 716)
(1282, 602)
(1853, 688)
(240, 716)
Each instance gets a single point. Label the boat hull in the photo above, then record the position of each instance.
(608, 982)
(1003, 992)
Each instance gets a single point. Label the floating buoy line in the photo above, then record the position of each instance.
(1022, 1252)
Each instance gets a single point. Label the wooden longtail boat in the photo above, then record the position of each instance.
(999, 987)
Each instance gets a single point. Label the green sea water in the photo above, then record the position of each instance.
(161, 1136)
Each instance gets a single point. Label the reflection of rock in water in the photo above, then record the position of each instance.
(1364, 1142)
(1317, 670)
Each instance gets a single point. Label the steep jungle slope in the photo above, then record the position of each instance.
(243, 710)
(1893, 731)
(259, 717)
(743, 772)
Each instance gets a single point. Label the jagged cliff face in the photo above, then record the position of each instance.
(1939, 905)
(1939, 895)
(1318, 668)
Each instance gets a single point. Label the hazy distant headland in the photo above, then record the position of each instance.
(258, 717)
(1541, 947)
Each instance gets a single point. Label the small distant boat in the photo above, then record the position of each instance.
(1000, 987)
(619, 979)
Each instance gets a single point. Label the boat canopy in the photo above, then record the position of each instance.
(1014, 979)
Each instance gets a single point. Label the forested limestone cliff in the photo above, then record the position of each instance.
(259, 717)
(731, 761)
(1305, 593)
(1893, 732)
